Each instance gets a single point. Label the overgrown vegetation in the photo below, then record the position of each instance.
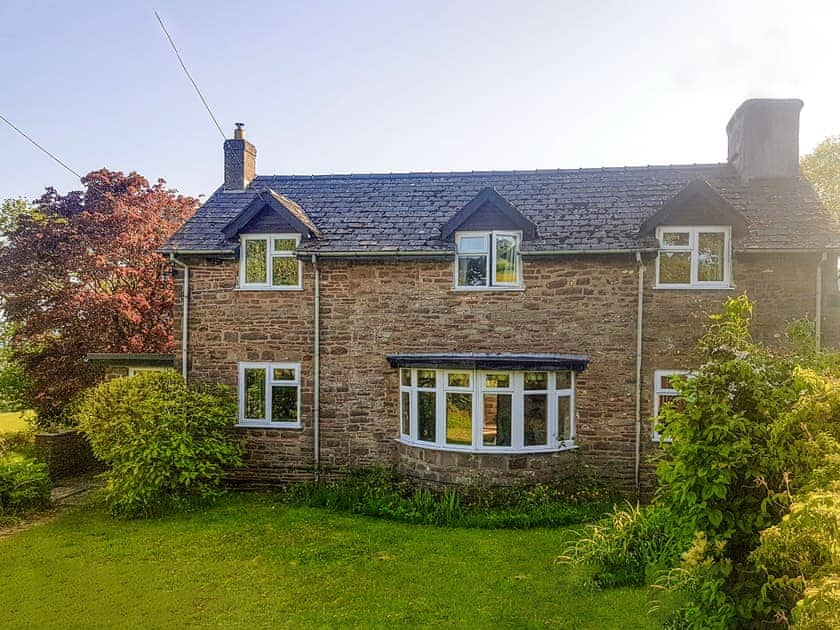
(375, 492)
(746, 514)
(24, 482)
(166, 443)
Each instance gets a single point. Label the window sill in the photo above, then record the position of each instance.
(487, 289)
(499, 450)
(268, 425)
(268, 289)
(693, 287)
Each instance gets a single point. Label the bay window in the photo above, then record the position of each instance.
(693, 257)
(487, 260)
(268, 261)
(269, 394)
(495, 411)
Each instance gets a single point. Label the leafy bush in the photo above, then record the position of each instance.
(747, 486)
(374, 492)
(24, 484)
(166, 443)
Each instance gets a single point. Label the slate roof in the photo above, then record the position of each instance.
(580, 210)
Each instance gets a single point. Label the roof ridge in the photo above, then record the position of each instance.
(421, 174)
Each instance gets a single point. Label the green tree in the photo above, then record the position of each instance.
(821, 167)
(10, 211)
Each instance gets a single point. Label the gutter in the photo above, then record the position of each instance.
(184, 313)
(384, 254)
(818, 309)
(316, 353)
(639, 314)
(583, 252)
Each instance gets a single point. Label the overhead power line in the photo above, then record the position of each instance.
(189, 76)
(21, 132)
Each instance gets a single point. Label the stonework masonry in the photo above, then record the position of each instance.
(582, 304)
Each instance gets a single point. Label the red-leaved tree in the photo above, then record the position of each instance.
(79, 274)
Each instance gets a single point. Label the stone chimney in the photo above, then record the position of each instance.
(764, 138)
(240, 160)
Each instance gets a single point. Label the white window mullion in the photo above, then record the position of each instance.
(440, 406)
(517, 438)
(268, 393)
(478, 410)
(553, 432)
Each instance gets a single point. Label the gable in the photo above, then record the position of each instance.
(270, 212)
(268, 221)
(488, 210)
(696, 204)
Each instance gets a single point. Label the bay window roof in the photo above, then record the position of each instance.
(490, 361)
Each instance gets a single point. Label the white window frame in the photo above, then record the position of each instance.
(490, 237)
(478, 388)
(693, 248)
(268, 375)
(659, 391)
(270, 254)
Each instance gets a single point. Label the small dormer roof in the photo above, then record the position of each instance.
(267, 200)
(696, 204)
(506, 213)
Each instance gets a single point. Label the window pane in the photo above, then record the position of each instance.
(710, 256)
(536, 420)
(666, 381)
(472, 244)
(497, 414)
(284, 271)
(426, 416)
(255, 263)
(459, 418)
(564, 380)
(497, 381)
(564, 417)
(674, 267)
(284, 403)
(461, 379)
(472, 271)
(426, 378)
(255, 393)
(405, 376)
(406, 412)
(284, 374)
(506, 259)
(284, 244)
(536, 380)
(675, 239)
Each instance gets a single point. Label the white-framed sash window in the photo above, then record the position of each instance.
(269, 262)
(488, 260)
(694, 257)
(269, 395)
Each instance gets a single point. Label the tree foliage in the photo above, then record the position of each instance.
(79, 274)
(822, 168)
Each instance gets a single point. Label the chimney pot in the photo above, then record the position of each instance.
(763, 136)
(239, 132)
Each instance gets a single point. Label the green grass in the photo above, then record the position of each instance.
(252, 561)
(13, 421)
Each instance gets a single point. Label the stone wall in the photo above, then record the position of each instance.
(370, 308)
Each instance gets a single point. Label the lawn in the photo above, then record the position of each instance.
(12, 421)
(251, 561)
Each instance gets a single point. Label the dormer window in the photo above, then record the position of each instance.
(269, 262)
(488, 260)
(693, 257)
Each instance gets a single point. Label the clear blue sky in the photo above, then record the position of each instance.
(400, 86)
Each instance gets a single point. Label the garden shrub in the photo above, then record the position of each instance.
(166, 443)
(24, 484)
(746, 484)
(375, 492)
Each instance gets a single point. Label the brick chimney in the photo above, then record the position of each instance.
(764, 138)
(240, 160)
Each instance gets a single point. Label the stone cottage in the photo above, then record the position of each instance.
(497, 325)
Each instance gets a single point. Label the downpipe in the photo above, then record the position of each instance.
(639, 314)
(316, 352)
(818, 309)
